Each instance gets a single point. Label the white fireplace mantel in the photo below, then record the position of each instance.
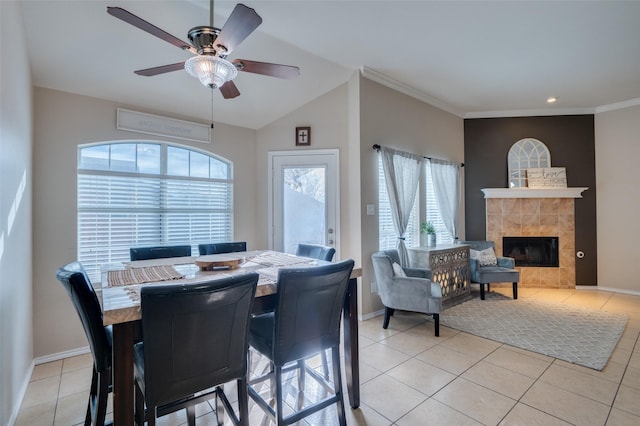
(533, 192)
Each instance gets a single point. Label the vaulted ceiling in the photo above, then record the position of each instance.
(472, 58)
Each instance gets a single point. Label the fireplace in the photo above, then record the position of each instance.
(532, 251)
(529, 212)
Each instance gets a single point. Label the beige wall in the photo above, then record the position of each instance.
(62, 122)
(16, 352)
(390, 118)
(617, 135)
(327, 116)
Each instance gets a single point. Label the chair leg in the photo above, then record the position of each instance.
(515, 291)
(243, 402)
(436, 321)
(388, 313)
(104, 379)
(301, 375)
(337, 384)
(219, 407)
(279, 396)
(481, 291)
(93, 391)
(325, 364)
(488, 287)
(139, 406)
(191, 415)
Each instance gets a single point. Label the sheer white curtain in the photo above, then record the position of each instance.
(445, 176)
(402, 174)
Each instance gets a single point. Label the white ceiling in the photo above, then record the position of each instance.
(473, 58)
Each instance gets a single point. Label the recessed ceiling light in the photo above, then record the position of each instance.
(551, 99)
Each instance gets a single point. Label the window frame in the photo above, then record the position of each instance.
(155, 208)
(422, 208)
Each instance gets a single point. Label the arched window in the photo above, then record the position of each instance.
(524, 154)
(134, 194)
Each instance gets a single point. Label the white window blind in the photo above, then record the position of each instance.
(386, 233)
(141, 194)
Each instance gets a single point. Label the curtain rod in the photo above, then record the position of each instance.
(378, 147)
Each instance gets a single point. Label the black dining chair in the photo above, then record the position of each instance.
(160, 252)
(315, 251)
(217, 248)
(320, 252)
(305, 322)
(75, 280)
(194, 339)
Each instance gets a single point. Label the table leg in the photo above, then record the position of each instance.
(123, 337)
(350, 325)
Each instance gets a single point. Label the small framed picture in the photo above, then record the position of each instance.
(303, 136)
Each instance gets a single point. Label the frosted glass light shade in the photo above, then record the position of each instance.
(210, 70)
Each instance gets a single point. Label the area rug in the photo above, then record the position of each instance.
(577, 335)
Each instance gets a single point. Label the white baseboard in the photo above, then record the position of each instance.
(371, 315)
(27, 378)
(61, 355)
(611, 289)
(21, 394)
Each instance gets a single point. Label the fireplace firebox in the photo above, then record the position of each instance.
(532, 251)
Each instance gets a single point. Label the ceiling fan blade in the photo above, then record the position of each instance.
(229, 90)
(140, 23)
(266, 68)
(149, 72)
(242, 22)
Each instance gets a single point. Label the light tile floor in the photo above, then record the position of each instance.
(410, 377)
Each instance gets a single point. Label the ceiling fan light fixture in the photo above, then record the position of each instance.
(212, 71)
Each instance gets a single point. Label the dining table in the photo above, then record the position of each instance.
(120, 299)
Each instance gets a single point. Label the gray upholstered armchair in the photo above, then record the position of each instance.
(503, 271)
(412, 292)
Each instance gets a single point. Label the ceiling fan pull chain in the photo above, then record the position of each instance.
(212, 108)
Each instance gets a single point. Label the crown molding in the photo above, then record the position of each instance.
(618, 105)
(385, 80)
(530, 112)
(378, 77)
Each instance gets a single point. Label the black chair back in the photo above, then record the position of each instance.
(160, 252)
(217, 248)
(316, 251)
(195, 336)
(75, 280)
(307, 314)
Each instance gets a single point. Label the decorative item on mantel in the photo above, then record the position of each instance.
(429, 231)
(525, 182)
(547, 177)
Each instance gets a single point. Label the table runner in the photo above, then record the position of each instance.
(143, 275)
(273, 258)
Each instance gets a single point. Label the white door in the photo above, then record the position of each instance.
(304, 199)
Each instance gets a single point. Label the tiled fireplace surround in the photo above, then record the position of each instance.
(538, 217)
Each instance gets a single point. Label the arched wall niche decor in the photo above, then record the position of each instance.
(525, 154)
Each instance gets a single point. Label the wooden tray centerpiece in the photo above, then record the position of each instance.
(217, 261)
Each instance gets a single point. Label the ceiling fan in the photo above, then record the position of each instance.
(211, 46)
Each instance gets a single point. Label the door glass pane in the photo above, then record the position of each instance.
(304, 208)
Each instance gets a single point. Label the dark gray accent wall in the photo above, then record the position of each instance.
(571, 142)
